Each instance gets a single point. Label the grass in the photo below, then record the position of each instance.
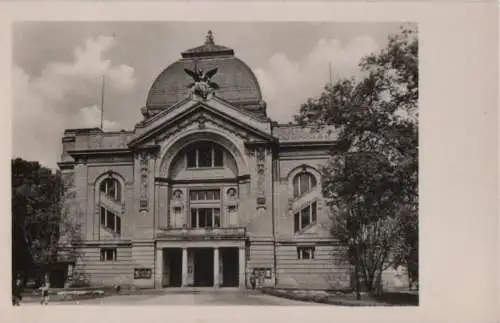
(345, 299)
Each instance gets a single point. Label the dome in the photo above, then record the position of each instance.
(236, 82)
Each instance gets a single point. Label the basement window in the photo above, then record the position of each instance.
(108, 254)
(305, 252)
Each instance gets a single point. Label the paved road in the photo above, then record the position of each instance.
(205, 297)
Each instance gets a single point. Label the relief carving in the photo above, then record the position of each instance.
(232, 194)
(250, 152)
(260, 179)
(144, 170)
(177, 195)
(261, 155)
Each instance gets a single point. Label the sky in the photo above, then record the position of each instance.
(57, 68)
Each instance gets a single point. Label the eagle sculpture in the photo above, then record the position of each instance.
(202, 85)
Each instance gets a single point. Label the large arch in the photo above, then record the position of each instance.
(170, 152)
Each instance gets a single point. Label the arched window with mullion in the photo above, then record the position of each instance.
(112, 188)
(303, 183)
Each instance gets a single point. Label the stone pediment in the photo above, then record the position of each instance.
(201, 113)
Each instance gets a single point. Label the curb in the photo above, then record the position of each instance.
(323, 299)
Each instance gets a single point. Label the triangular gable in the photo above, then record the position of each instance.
(213, 107)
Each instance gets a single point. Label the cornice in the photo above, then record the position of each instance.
(207, 181)
(307, 144)
(192, 110)
(86, 152)
(66, 165)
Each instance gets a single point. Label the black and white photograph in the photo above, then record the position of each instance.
(215, 163)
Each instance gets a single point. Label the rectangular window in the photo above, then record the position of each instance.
(305, 220)
(305, 252)
(191, 158)
(304, 183)
(205, 217)
(108, 254)
(205, 157)
(118, 225)
(112, 190)
(103, 216)
(118, 194)
(314, 211)
(194, 223)
(201, 218)
(306, 217)
(217, 156)
(216, 218)
(110, 221)
(204, 195)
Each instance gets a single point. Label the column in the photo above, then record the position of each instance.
(184, 266)
(216, 267)
(159, 268)
(242, 267)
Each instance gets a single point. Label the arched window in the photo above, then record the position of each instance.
(112, 188)
(204, 154)
(303, 183)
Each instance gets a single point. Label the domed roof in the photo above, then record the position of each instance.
(236, 82)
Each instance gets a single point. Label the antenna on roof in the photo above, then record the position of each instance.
(102, 103)
(103, 79)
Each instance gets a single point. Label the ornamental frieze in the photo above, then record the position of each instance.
(203, 121)
(144, 172)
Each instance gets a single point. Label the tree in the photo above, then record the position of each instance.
(372, 185)
(39, 218)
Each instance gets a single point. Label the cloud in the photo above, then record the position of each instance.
(58, 98)
(286, 84)
(89, 117)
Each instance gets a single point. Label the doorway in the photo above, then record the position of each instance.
(203, 266)
(172, 275)
(57, 277)
(230, 267)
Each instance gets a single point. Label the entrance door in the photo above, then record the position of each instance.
(173, 261)
(230, 267)
(203, 267)
(57, 277)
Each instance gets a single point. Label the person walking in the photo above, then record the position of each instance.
(17, 293)
(253, 280)
(44, 293)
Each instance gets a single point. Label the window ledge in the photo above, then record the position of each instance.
(205, 168)
(301, 231)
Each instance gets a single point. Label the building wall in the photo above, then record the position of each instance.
(90, 269)
(265, 201)
(328, 269)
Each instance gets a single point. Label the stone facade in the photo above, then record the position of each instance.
(204, 191)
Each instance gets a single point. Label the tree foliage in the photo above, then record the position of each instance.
(39, 218)
(372, 185)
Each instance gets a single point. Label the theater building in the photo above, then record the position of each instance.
(205, 190)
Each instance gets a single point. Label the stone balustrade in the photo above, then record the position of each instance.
(202, 233)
